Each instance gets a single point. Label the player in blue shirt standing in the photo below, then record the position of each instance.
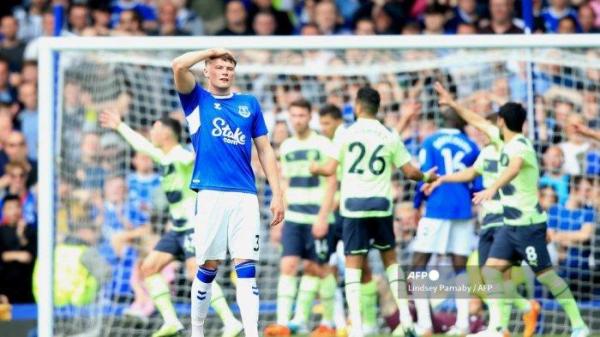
(223, 126)
(447, 226)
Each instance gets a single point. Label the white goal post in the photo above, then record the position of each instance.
(49, 80)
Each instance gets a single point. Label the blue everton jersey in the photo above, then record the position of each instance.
(450, 151)
(222, 129)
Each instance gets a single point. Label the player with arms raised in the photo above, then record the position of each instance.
(176, 165)
(368, 152)
(523, 236)
(223, 126)
(491, 218)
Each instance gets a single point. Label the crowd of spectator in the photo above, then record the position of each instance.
(24, 21)
(106, 203)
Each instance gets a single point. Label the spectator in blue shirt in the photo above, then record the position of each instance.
(119, 232)
(557, 10)
(571, 227)
(554, 174)
(28, 117)
(146, 13)
(464, 12)
(121, 223)
(143, 185)
(328, 19)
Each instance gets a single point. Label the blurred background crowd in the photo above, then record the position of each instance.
(112, 201)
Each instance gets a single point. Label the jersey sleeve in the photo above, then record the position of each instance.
(493, 132)
(282, 157)
(426, 156)
(259, 127)
(327, 149)
(190, 101)
(478, 165)
(334, 151)
(473, 155)
(516, 148)
(186, 157)
(419, 196)
(477, 184)
(140, 143)
(401, 156)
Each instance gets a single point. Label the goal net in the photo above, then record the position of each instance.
(97, 190)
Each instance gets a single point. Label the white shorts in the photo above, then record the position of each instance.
(441, 236)
(226, 221)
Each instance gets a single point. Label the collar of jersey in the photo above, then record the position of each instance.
(448, 130)
(223, 97)
(368, 120)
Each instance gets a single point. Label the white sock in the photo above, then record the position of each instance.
(339, 310)
(247, 297)
(397, 281)
(462, 301)
(287, 288)
(201, 291)
(421, 300)
(353, 298)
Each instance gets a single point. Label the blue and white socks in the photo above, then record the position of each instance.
(201, 291)
(247, 297)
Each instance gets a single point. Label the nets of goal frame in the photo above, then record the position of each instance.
(96, 172)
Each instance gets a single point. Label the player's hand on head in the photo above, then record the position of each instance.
(109, 118)
(217, 52)
(277, 211)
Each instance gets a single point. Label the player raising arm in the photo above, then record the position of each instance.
(227, 214)
(523, 236)
(176, 166)
(491, 218)
(367, 152)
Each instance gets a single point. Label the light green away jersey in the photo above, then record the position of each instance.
(519, 198)
(338, 173)
(176, 171)
(368, 152)
(305, 192)
(488, 166)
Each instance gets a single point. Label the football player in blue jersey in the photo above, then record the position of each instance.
(223, 126)
(447, 226)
